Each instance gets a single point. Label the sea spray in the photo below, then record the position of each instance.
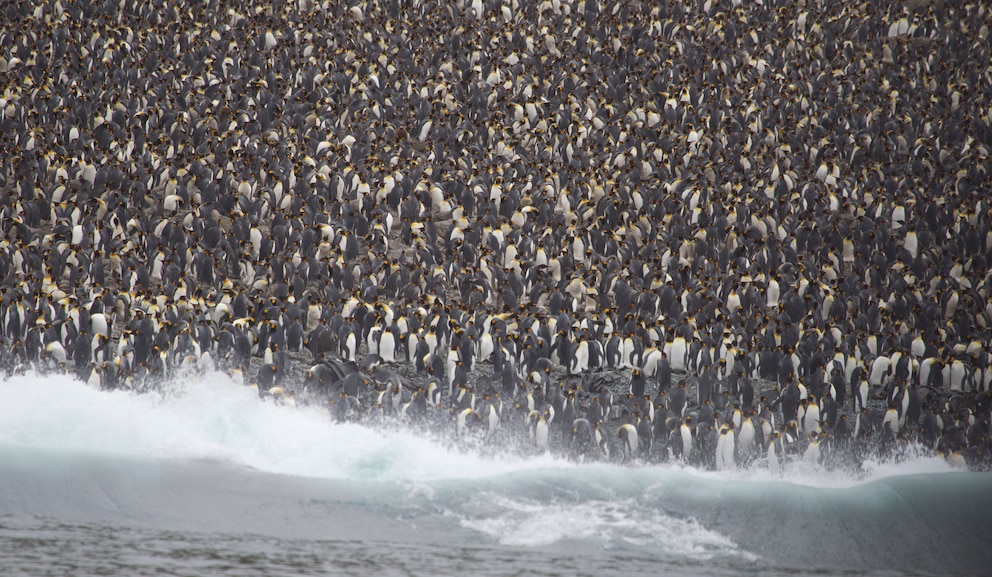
(211, 417)
(206, 454)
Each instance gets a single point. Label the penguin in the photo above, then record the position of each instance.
(678, 399)
(579, 361)
(595, 412)
(686, 439)
(774, 453)
(813, 454)
(725, 448)
(637, 383)
(745, 393)
(663, 374)
(433, 393)
(387, 344)
(645, 435)
(491, 414)
(538, 430)
(735, 268)
(629, 444)
(747, 440)
(810, 418)
(462, 398)
(859, 396)
(582, 437)
(677, 351)
(465, 420)
(294, 337)
(602, 441)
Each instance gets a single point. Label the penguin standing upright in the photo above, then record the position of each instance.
(678, 400)
(582, 436)
(663, 376)
(774, 452)
(645, 435)
(725, 448)
(678, 354)
(747, 440)
(388, 344)
(637, 383)
(687, 439)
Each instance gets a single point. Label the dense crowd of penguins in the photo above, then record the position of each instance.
(770, 218)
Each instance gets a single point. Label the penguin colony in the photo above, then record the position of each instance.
(716, 231)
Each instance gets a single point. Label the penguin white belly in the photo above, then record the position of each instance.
(387, 347)
(686, 435)
(627, 353)
(372, 342)
(772, 294)
(541, 435)
(486, 347)
(811, 420)
(350, 347)
(774, 465)
(99, 325)
(580, 358)
(956, 378)
(412, 341)
(649, 366)
(678, 354)
(745, 440)
(493, 421)
(879, 371)
(891, 420)
(725, 451)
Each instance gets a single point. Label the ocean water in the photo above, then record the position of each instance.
(205, 479)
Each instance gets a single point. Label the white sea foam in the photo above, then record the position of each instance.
(515, 521)
(211, 417)
(913, 462)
